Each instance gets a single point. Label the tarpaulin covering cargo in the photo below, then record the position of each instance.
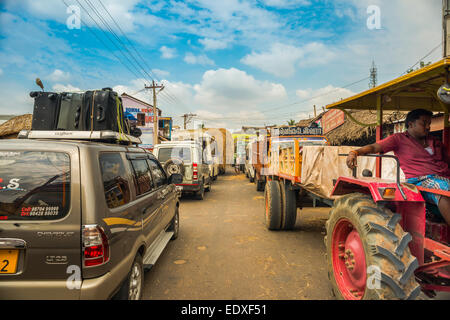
(322, 164)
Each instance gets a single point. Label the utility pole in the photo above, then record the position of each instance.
(446, 27)
(315, 112)
(155, 113)
(187, 118)
(373, 76)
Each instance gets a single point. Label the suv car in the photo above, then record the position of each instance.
(81, 219)
(186, 158)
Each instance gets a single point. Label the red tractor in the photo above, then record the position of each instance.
(380, 242)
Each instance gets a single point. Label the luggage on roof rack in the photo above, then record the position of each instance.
(46, 110)
(97, 110)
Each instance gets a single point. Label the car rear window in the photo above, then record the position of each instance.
(34, 185)
(182, 153)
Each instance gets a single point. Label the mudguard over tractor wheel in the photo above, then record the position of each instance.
(289, 206)
(368, 256)
(272, 197)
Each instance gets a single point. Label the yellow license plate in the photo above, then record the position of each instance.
(8, 261)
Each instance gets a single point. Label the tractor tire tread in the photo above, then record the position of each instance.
(385, 243)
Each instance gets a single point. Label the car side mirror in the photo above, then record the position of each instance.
(176, 178)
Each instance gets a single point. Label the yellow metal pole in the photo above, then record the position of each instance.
(379, 133)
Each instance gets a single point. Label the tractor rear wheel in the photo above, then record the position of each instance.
(272, 195)
(368, 256)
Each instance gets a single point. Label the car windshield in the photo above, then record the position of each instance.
(182, 153)
(34, 185)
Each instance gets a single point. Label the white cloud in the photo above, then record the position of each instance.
(59, 76)
(282, 60)
(323, 96)
(224, 97)
(161, 73)
(286, 3)
(123, 11)
(15, 99)
(234, 90)
(214, 44)
(409, 30)
(167, 53)
(202, 59)
(65, 88)
(135, 89)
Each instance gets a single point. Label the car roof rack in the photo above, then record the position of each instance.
(179, 142)
(107, 136)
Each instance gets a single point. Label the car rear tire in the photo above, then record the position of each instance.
(365, 238)
(132, 288)
(200, 195)
(208, 188)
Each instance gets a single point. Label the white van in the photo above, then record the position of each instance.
(186, 158)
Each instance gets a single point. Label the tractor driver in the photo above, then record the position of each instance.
(423, 158)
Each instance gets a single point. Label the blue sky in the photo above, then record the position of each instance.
(232, 62)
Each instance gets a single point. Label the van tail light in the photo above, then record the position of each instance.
(95, 246)
(194, 171)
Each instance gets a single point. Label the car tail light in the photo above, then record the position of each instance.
(194, 171)
(95, 246)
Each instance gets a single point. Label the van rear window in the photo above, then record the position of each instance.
(34, 185)
(165, 154)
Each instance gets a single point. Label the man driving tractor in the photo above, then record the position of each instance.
(423, 158)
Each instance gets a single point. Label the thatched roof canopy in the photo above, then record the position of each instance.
(351, 133)
(15, 125)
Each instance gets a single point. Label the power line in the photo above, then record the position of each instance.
(105, 45)
(138, 69)
(137, 52)
(312, 98)
(421, 59)
(108, 37)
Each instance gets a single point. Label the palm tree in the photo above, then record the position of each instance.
(291, 122)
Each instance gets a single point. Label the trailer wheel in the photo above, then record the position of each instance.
(289, 204)
(272, 197)
(367, 252)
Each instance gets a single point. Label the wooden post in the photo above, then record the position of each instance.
(446, 27)
(155, 117)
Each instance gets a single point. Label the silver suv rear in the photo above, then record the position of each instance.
(81, 220)
(186, 158)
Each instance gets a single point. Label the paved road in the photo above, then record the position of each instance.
(224, 251)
